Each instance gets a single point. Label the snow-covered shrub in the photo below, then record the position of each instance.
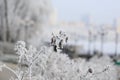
(58, 41)
(46, 64)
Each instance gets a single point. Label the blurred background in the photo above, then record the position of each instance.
(93, 26)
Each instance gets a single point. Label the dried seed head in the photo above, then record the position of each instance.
(66, 39)
(90, 70)
(55, 48)
(60, 32)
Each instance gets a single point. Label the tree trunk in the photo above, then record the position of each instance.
(6, 27)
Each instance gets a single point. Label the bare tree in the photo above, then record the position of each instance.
(102, 33)
(89, 41)
(116, 42)
(94, 38)
(6, 21)
(3, 30)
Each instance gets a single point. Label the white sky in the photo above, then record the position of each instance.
(102, 11)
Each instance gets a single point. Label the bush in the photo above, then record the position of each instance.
(46, 64)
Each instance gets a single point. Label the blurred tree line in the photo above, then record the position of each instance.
(20, 19)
